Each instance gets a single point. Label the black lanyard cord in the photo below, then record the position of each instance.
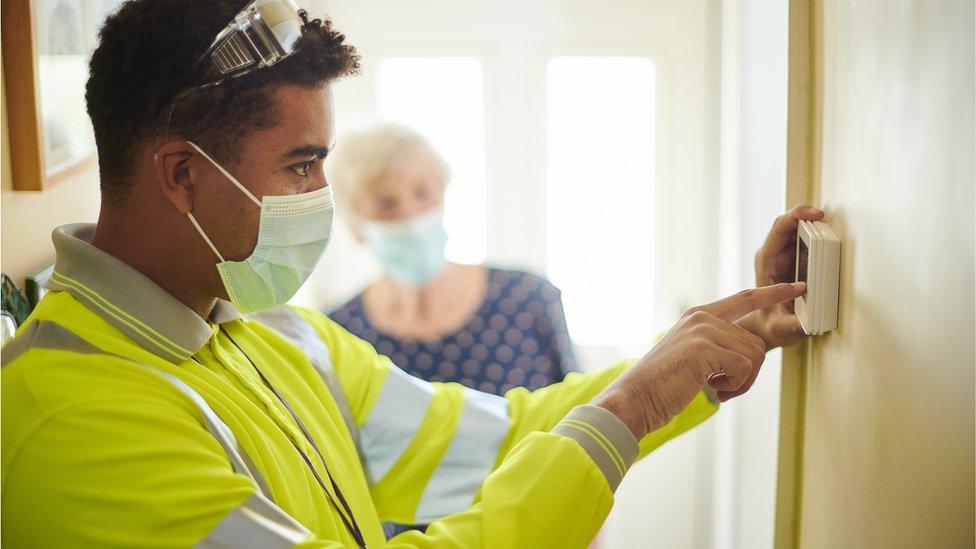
(345, 513)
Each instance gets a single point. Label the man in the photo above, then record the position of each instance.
(160, 395)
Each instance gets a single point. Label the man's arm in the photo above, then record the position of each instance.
(84, 476)
(428, 447)
(143, 470)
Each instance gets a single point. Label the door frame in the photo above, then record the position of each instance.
(803, 140)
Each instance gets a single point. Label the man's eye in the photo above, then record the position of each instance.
(303, 168)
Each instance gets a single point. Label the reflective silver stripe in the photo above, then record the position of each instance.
(256, 523)
(44, 334)
(469, 457)
(291, 325)
(393, 422)
(238, 458)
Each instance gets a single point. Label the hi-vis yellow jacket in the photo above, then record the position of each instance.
(129, 421)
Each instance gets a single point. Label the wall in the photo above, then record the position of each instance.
(884, 444)
(27, 218)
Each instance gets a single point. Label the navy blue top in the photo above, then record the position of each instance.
(518, 337)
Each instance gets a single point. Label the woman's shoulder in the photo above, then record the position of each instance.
(522, 282)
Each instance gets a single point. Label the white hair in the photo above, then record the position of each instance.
(364, 157)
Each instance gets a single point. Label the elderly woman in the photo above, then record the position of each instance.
(489, 329)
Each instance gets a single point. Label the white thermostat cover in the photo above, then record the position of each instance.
(817, 264)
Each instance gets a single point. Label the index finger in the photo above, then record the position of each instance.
(734, 307)
(785, 226)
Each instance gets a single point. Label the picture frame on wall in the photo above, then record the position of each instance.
(46, 48)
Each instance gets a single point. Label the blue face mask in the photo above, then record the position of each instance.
(294, 233)
(412, 251)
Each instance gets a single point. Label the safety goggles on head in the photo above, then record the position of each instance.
(263, 33)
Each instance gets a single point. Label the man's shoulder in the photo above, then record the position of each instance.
(45, 384)
(308, 328)
(290, 319)
(47, 367)
(65, 356)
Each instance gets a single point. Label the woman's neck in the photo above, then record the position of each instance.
(431, 311)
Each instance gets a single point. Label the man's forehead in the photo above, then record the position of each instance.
(301, 98)
(304, 118)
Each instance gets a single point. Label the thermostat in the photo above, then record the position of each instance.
(817, 264)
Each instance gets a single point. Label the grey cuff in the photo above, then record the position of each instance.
(604, 437)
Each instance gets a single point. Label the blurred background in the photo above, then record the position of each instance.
(632, 151)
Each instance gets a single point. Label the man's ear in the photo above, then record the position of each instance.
(171, 161)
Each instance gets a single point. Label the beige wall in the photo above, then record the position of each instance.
(28, 217)
(886, 439)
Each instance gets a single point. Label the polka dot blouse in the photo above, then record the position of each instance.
(518, 337)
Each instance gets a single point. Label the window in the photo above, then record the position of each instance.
(600, 195)
(443, 97)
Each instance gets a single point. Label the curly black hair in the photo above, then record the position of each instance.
(147, 56)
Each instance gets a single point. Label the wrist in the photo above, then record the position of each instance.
(624, 405)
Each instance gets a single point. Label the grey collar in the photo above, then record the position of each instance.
(127, 299)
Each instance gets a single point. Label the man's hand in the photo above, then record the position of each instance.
(776, 263)
(705, 346)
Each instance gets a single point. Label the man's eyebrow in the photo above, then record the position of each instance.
(306, 151)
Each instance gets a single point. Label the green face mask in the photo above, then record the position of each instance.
(294, 233)
(411, 250)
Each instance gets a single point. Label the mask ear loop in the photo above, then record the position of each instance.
(204, 235)
(194, 220)
(226, 174)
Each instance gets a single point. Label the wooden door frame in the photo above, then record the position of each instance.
(803, 142)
